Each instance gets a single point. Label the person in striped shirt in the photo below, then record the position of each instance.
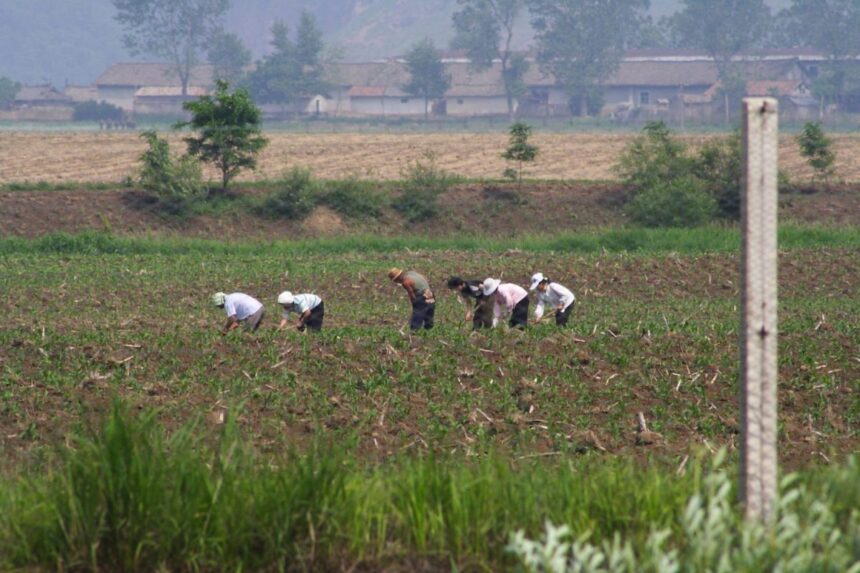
(554, 295)
(509, 299)
(309, 307)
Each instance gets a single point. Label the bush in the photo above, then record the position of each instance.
(166, 177)
(422, 185)
(97, 111)
(294, 199)
(353, 198)
(676, 203)
(719, 166)
(655, 157)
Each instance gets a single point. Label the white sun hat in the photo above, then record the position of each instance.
(218, 299)
(285, 297)
(537, 278)
(490, 286)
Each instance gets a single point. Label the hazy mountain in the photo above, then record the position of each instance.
(73, 41)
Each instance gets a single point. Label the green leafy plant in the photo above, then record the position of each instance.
(519, 149)
(817, 148)
(166, 177)
(228, 129)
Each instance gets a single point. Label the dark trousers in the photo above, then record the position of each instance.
(422, 314)
(483, 314)
(561, 317)
(315, 320)
(520, 314)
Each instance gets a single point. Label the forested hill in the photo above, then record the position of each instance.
(73, 41)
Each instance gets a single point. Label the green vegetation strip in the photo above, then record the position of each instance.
(129, 496)
(645, 241)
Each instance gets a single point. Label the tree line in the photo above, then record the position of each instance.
(580, 42)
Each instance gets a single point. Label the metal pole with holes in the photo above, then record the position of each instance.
(758, 337)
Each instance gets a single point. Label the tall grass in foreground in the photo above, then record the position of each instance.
(632, 240)
(128, 496)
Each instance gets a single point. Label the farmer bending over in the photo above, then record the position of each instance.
(240, 308)
(479, 309)
(512, 298)
(309, 307)
(420, 295)
(559, 298)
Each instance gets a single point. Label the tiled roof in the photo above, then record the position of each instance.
(775, 88)
(171, 91)
(144, 74)
(41, 93)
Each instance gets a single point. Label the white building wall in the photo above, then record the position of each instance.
(387, 105)
(477, 105)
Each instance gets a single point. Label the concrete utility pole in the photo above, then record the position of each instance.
(758, 339)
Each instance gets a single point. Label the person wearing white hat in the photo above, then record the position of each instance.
(554, 295)
(309, 307)
(510, 298)
(241, 309)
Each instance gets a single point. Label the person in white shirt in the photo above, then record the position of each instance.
(309, 307)
(554, 295)
(241, 309)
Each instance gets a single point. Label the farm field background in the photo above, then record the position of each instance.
(113, 157)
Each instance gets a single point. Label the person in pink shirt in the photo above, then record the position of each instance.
(512, 298)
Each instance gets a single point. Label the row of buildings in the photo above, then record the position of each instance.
(668, 84)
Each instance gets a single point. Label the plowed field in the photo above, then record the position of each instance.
(111, 157)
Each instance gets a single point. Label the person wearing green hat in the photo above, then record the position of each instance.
(241, 309)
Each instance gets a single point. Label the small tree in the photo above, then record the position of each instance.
(229, 132)
(817, 149)
(519, 149)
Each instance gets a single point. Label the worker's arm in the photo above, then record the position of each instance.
(232, 322)
(410, 289)
(303, 318)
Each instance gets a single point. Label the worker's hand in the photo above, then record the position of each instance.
(300, 327)
(469, 316)
(223, 333)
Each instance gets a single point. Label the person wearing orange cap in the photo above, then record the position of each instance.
(420, 295)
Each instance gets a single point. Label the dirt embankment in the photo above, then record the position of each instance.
(491, 208)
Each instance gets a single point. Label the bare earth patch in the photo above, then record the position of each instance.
(112, 157)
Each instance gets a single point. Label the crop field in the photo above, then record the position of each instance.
(652, 334)
(113, 157)
(446, 441)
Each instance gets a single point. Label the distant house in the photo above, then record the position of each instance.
(119, 84)
(164, 101)
(383, 101)
(41, 103)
